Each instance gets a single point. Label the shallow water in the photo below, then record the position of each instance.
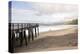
(56, 27)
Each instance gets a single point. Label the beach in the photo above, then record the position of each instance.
(63, 39)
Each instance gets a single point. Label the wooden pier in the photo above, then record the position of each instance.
(17, 32)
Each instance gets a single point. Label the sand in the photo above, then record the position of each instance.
(53, 40)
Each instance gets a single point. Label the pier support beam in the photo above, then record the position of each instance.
(26, 42)
(35, 32)
(28, 35)
(24, 34)
(32, 34)
(13, 42)
(38, 30)
(21, 38)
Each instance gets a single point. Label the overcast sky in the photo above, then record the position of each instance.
(33, 12)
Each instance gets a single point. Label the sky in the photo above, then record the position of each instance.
(35, 12)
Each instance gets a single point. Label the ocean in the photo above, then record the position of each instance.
(53, 28)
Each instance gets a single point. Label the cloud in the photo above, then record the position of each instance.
(44, 13)
(50, 8)
(29, 16)
(22, 14)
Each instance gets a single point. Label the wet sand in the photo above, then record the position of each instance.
(53, 40)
